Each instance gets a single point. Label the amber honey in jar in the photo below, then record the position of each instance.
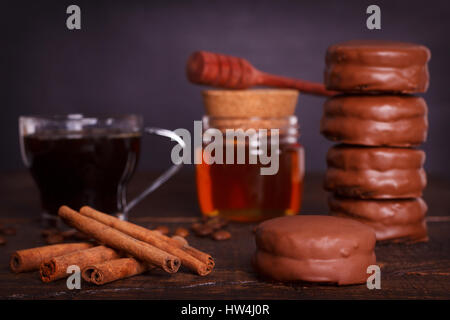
(239, 191)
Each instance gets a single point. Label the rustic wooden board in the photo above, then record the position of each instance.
(408, 270)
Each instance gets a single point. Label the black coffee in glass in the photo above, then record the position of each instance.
(84, 168)
(79, 160)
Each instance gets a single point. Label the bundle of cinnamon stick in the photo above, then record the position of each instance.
(127, 249)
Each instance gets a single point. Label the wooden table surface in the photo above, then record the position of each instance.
(408, 271)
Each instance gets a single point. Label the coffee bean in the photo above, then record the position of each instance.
(74, 234)
(196, 226)
(203, 231)
(54, 238)
(9, 231)
(199, 228)
(217, 223)
(221, 235)
(163, 229)
(2, 241)
(80, 236)
(68, 233)
(47, 232)
(182, 232)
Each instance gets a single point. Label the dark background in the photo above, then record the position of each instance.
(130, 57)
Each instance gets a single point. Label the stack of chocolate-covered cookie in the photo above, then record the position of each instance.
(376, 173)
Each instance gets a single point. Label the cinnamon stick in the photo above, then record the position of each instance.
(202, 266)
(120, 241)
(108, 271)
(31, 259)
(112, 270)
(200, 255)
(56, 268)
(184, 245)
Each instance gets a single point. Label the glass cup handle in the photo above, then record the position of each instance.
(166, 175)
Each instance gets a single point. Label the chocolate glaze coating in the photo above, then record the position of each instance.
(375, 172)
(314, 248)
(377, 66)
(381, 120)
(399, 220)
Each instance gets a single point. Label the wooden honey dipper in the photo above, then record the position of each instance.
(219, 70)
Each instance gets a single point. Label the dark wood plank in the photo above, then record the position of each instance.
(408, 270)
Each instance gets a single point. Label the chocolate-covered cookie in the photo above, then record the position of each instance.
(375, 120)
(375, 172)
(399, 220)
(315, 249)
(377, 66)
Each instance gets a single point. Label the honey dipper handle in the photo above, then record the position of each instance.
(230, 72)
(315, 88)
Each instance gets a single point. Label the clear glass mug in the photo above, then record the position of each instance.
(79, 160)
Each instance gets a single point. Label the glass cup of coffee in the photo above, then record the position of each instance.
(78, 160)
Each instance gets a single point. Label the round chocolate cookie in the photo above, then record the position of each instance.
(399, 220)
(375, 120)
(375, 172)
(377, 66)
(314, 248)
